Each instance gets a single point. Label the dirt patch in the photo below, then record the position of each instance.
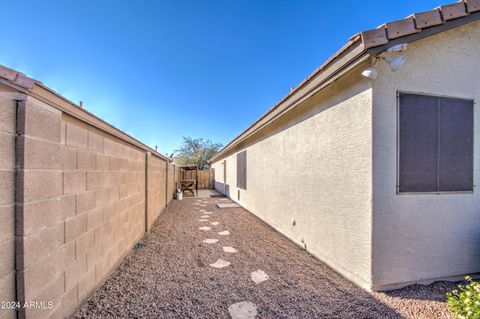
(170, 276)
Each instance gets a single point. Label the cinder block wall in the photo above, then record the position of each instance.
(7, 203)
(171, 182)
(157, 193)
(80, 205)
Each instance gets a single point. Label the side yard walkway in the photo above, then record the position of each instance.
(203, 262)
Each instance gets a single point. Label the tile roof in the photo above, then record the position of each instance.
(417, 22)
(370, 42)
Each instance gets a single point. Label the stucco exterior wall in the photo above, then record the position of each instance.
(7, 201)
(313, 167)
(424, 237)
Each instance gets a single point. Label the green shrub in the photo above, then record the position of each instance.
(464, 302)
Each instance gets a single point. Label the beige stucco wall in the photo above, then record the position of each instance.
(314, 166)
(424, 237)
(7, 201)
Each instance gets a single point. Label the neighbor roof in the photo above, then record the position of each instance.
(359, 47)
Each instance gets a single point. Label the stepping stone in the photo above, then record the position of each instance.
(208, 213)
(259, 276)
(220, 263)
(210, 241)
(214, 223)
(203, 205)
(202, 210)
(229, 250)
(224, 233)
(243, 310)
(204, 228)
(227, 205)
(205, 216)
(203, 220)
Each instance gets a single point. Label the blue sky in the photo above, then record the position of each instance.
(160, 70)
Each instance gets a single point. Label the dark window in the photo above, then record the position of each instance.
(435, 144)
(242, 170)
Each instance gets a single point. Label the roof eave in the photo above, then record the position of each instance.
(373, 42)
(353, 51)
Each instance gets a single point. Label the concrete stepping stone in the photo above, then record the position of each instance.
(227, 205)
(259, 276)
(220, 263)
(208, 213)
(243, 310)
(202, 210)
(203, 220)
(214, 223)
(224, 233)
(229, 250)
(205, 228)
(205, 216)
(210, 241)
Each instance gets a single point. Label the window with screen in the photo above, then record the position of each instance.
(242, 170)
(435, 144)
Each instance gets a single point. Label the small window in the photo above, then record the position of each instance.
(242, 170)
(435, 144)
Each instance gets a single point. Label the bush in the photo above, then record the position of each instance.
(464, 302)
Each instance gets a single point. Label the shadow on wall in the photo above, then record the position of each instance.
(222, 188)
(227, 190)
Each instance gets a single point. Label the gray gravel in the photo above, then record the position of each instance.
(170, 276)
(419, 301)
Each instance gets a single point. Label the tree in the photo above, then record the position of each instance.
(196, 151)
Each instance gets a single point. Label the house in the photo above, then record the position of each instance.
(371, 163)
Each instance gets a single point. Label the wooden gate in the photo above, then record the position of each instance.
(206, 178)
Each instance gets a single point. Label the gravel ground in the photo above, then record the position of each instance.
(170, 276)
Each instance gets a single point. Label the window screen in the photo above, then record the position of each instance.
(242, 170)
(435, 144)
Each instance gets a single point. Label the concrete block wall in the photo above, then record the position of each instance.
(7, 203)
(171, 174)
(42, 206)
(73, 202)
(157, 193)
